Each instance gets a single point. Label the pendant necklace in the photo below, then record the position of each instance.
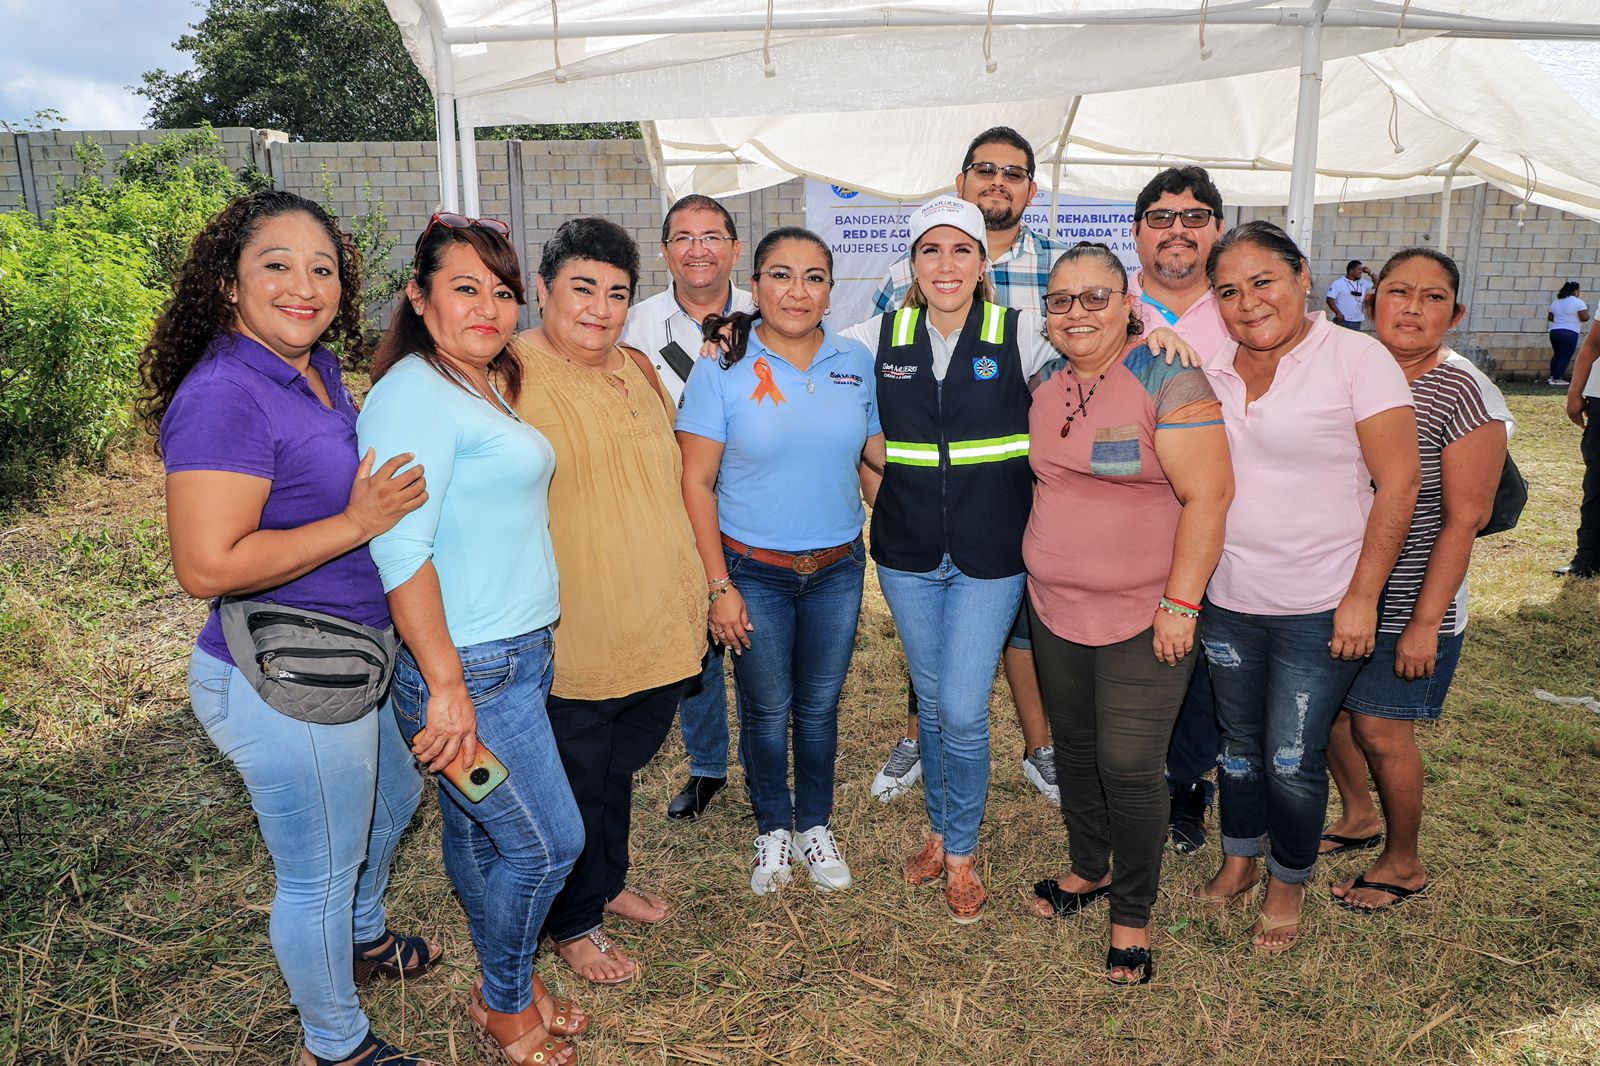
(1083, 401)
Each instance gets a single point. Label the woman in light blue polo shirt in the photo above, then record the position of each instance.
(772, 436)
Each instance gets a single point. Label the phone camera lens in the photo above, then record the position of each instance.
(480, 776)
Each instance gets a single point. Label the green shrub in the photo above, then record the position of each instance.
(74, 312)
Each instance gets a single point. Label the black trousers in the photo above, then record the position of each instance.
(603, 743)
(1588, 554)
(1111, 713)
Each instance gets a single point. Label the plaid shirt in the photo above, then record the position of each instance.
(1020, 275)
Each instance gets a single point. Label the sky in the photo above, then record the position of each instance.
(81, 57)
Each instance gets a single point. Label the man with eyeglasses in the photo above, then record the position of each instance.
(1176, 219)
(701, 244)
(997, 176)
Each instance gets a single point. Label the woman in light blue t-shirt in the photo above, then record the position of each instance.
(772, 436)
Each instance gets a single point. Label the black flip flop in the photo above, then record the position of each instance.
(1400, 895)
(1350, 843)
(1066, 903)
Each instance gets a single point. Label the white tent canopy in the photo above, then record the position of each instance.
(735, 96)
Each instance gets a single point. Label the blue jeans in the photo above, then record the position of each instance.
(1277, 690)
(509, 855)
(1192, 752)
(703, 713)
(953, 628)
(793, 672)
(332, 802)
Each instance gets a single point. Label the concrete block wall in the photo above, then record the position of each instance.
(1510, 272)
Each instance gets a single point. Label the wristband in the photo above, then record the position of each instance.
(1177, 610)
(1179, 603)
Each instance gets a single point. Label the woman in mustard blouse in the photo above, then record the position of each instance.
(633, 592)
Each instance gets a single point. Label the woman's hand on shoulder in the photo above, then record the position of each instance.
(379, 500)
(1164, 341)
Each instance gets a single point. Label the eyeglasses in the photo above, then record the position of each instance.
(451, 220)
(711, 242)
(1164, 217)
(1015, 175)
(1059, 303)
(783, 279)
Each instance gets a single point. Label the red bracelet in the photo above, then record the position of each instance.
(1180, 603)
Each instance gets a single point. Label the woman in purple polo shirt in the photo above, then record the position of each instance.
(267, 500)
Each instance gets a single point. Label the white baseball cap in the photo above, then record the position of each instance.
(948, 211)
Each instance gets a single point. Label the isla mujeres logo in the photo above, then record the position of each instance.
(845, 194)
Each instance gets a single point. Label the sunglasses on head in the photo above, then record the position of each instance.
(451, 220)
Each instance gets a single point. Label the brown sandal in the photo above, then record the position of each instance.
(964, 897)
(509, 1030)
(922, 868)
(564, 1020)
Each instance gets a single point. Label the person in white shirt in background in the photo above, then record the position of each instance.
(1567, 313)
(701, 245)
(1349, 296)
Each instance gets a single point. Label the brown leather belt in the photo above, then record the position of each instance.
(802, 563)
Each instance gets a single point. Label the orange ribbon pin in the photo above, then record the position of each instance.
(767, 387)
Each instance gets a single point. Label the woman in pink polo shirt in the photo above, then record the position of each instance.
(1324, 445)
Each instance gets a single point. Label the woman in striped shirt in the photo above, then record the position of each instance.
(1462, 427)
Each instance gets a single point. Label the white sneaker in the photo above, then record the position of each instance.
(772, 862)
(820, 852)
(903, 770)
(1039, 766)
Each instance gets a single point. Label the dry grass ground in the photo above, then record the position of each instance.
(136, 891)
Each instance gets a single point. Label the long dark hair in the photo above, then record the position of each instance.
(199, 310)
(408, 333)
(1433, 255)
(1567, 290)
(732, 331)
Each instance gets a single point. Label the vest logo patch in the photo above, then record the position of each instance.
(844, 379)
(897, 371)
(984, 368)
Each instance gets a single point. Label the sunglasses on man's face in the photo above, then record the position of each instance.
(451, 220)
(1164, 217)
(987, 171)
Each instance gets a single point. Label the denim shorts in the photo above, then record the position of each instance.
(1021, 635)
(1378, 691)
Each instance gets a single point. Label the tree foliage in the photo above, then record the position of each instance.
(322, 70)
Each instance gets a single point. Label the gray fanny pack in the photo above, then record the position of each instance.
(308, 665)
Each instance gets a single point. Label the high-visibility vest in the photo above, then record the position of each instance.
(956, 480)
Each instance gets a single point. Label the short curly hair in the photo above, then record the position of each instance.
(199, 310)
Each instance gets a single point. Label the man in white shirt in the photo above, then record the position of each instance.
(701, 244)
(1348, 296)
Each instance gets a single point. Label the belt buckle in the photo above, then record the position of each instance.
(804, 564)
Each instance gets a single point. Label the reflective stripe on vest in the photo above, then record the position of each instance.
(994, 324)
(988, 450)
(905, 326)
(909, 454)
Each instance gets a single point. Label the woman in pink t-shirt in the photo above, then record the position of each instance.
(1324, 447)
(1133, 484)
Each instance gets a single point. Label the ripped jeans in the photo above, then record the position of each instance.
(1277, 692)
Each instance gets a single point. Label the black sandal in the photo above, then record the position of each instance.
(372, 1051)
(1130, 959)
(1066, 903)
(405, 957)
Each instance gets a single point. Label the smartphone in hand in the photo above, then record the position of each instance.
(483, 776)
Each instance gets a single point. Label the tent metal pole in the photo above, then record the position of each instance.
(1444, 196)
(1303, 174)
(469, 171)
(445, 120)
(1055, 167)
(1421, 25)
